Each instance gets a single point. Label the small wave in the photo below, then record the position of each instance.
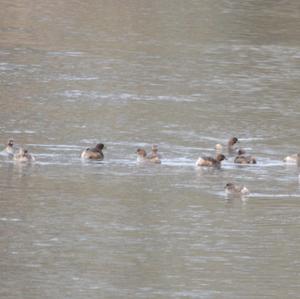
(175, 99)
(4, 154)
(74, 78)
(56, 146)
(269, 195)
(179, 162)
(261, 195)
(253, 138)
(260, 163)
(10, 219)
(122, 161)
(65, 53)
(44, 163)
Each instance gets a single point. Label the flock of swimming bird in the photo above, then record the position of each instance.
(96, 153)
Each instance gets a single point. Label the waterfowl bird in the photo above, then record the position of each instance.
(211, 162)
(23, 156)
(94, 153)
(142, 157)
(231, 144)
(232, 189)
(242, 159)
(9, 150)
(218, 148)
(154, 153)
(295, 158)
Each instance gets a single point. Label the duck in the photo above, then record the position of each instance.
(142, 157)
(9, 150)
(94, 153)
(23, 156)
(219, 148)
(231, 144)
(211, 162)
(232, 189)
(242, 159)
(154, 152)
(295, 158)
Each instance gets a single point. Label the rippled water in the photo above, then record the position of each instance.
(181, 74)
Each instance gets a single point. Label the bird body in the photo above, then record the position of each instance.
(23, 156)
(94, 153)
(241, 158)
(231, 144)
(232, 189)
(210, 162)
(142, 157)
(9, 149)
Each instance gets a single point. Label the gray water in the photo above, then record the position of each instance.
(181, 74)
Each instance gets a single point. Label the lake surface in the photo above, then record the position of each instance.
(184, 75)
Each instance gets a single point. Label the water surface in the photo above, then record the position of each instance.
(183, 75)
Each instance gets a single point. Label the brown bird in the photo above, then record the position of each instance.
(241, 158)
(142, 157)
(23, 156)
(9, 150)
(94, 153)
(232, 189)
(211, 162)
(231, 144)
(154, 152)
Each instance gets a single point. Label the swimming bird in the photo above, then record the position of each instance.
(142, 157)
(232, 189)
(94, 153)
(295, 158)
(218, 148)
(211, 162)
(242, 159)
(231, 144)
(9, 150)
(154, 152)
(23, 156)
